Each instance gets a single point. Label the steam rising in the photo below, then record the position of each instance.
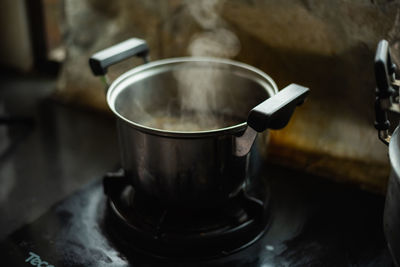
(215, 40)
(202, 87)
(216, 43)
(199, 89)
(206, 12)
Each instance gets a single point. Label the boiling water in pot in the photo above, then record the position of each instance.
(191, 122)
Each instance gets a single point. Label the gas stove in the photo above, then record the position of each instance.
(183, 232)
(308, 222)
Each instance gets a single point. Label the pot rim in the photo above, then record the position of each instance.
(118, 85)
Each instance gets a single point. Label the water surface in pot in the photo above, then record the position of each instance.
(189, 122)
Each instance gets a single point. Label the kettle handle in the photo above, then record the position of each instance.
(101, 60)
(386, 89)
(273, 113)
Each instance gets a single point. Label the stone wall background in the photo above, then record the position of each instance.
(327, 45)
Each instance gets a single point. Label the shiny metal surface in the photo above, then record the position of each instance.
(181, 170)
(178, 167)
(244, 142)
(391, 219)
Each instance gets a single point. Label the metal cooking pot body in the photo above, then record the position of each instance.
(203, 167)
(391, 218)
(196, 168)
(181, 170)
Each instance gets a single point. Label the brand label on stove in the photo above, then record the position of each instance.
(35, 260)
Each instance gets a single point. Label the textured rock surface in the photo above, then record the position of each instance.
(326, 45)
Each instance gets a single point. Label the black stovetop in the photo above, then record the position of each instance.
(314, 223)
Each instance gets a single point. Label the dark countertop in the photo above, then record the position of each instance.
(52, 152)
(44, 160)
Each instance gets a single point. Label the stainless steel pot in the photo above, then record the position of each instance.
(391, 217)
(387, 97)
(204, 167)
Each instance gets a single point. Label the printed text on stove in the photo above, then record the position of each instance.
(35, 260)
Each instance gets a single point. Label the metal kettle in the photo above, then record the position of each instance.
(387, 98)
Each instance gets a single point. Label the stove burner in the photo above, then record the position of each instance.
(138, 223)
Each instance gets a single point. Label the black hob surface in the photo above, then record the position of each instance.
(314, 223)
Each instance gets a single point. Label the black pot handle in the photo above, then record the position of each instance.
(100, 61)
(273, 113)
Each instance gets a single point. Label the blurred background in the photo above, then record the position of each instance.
(46, 83)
